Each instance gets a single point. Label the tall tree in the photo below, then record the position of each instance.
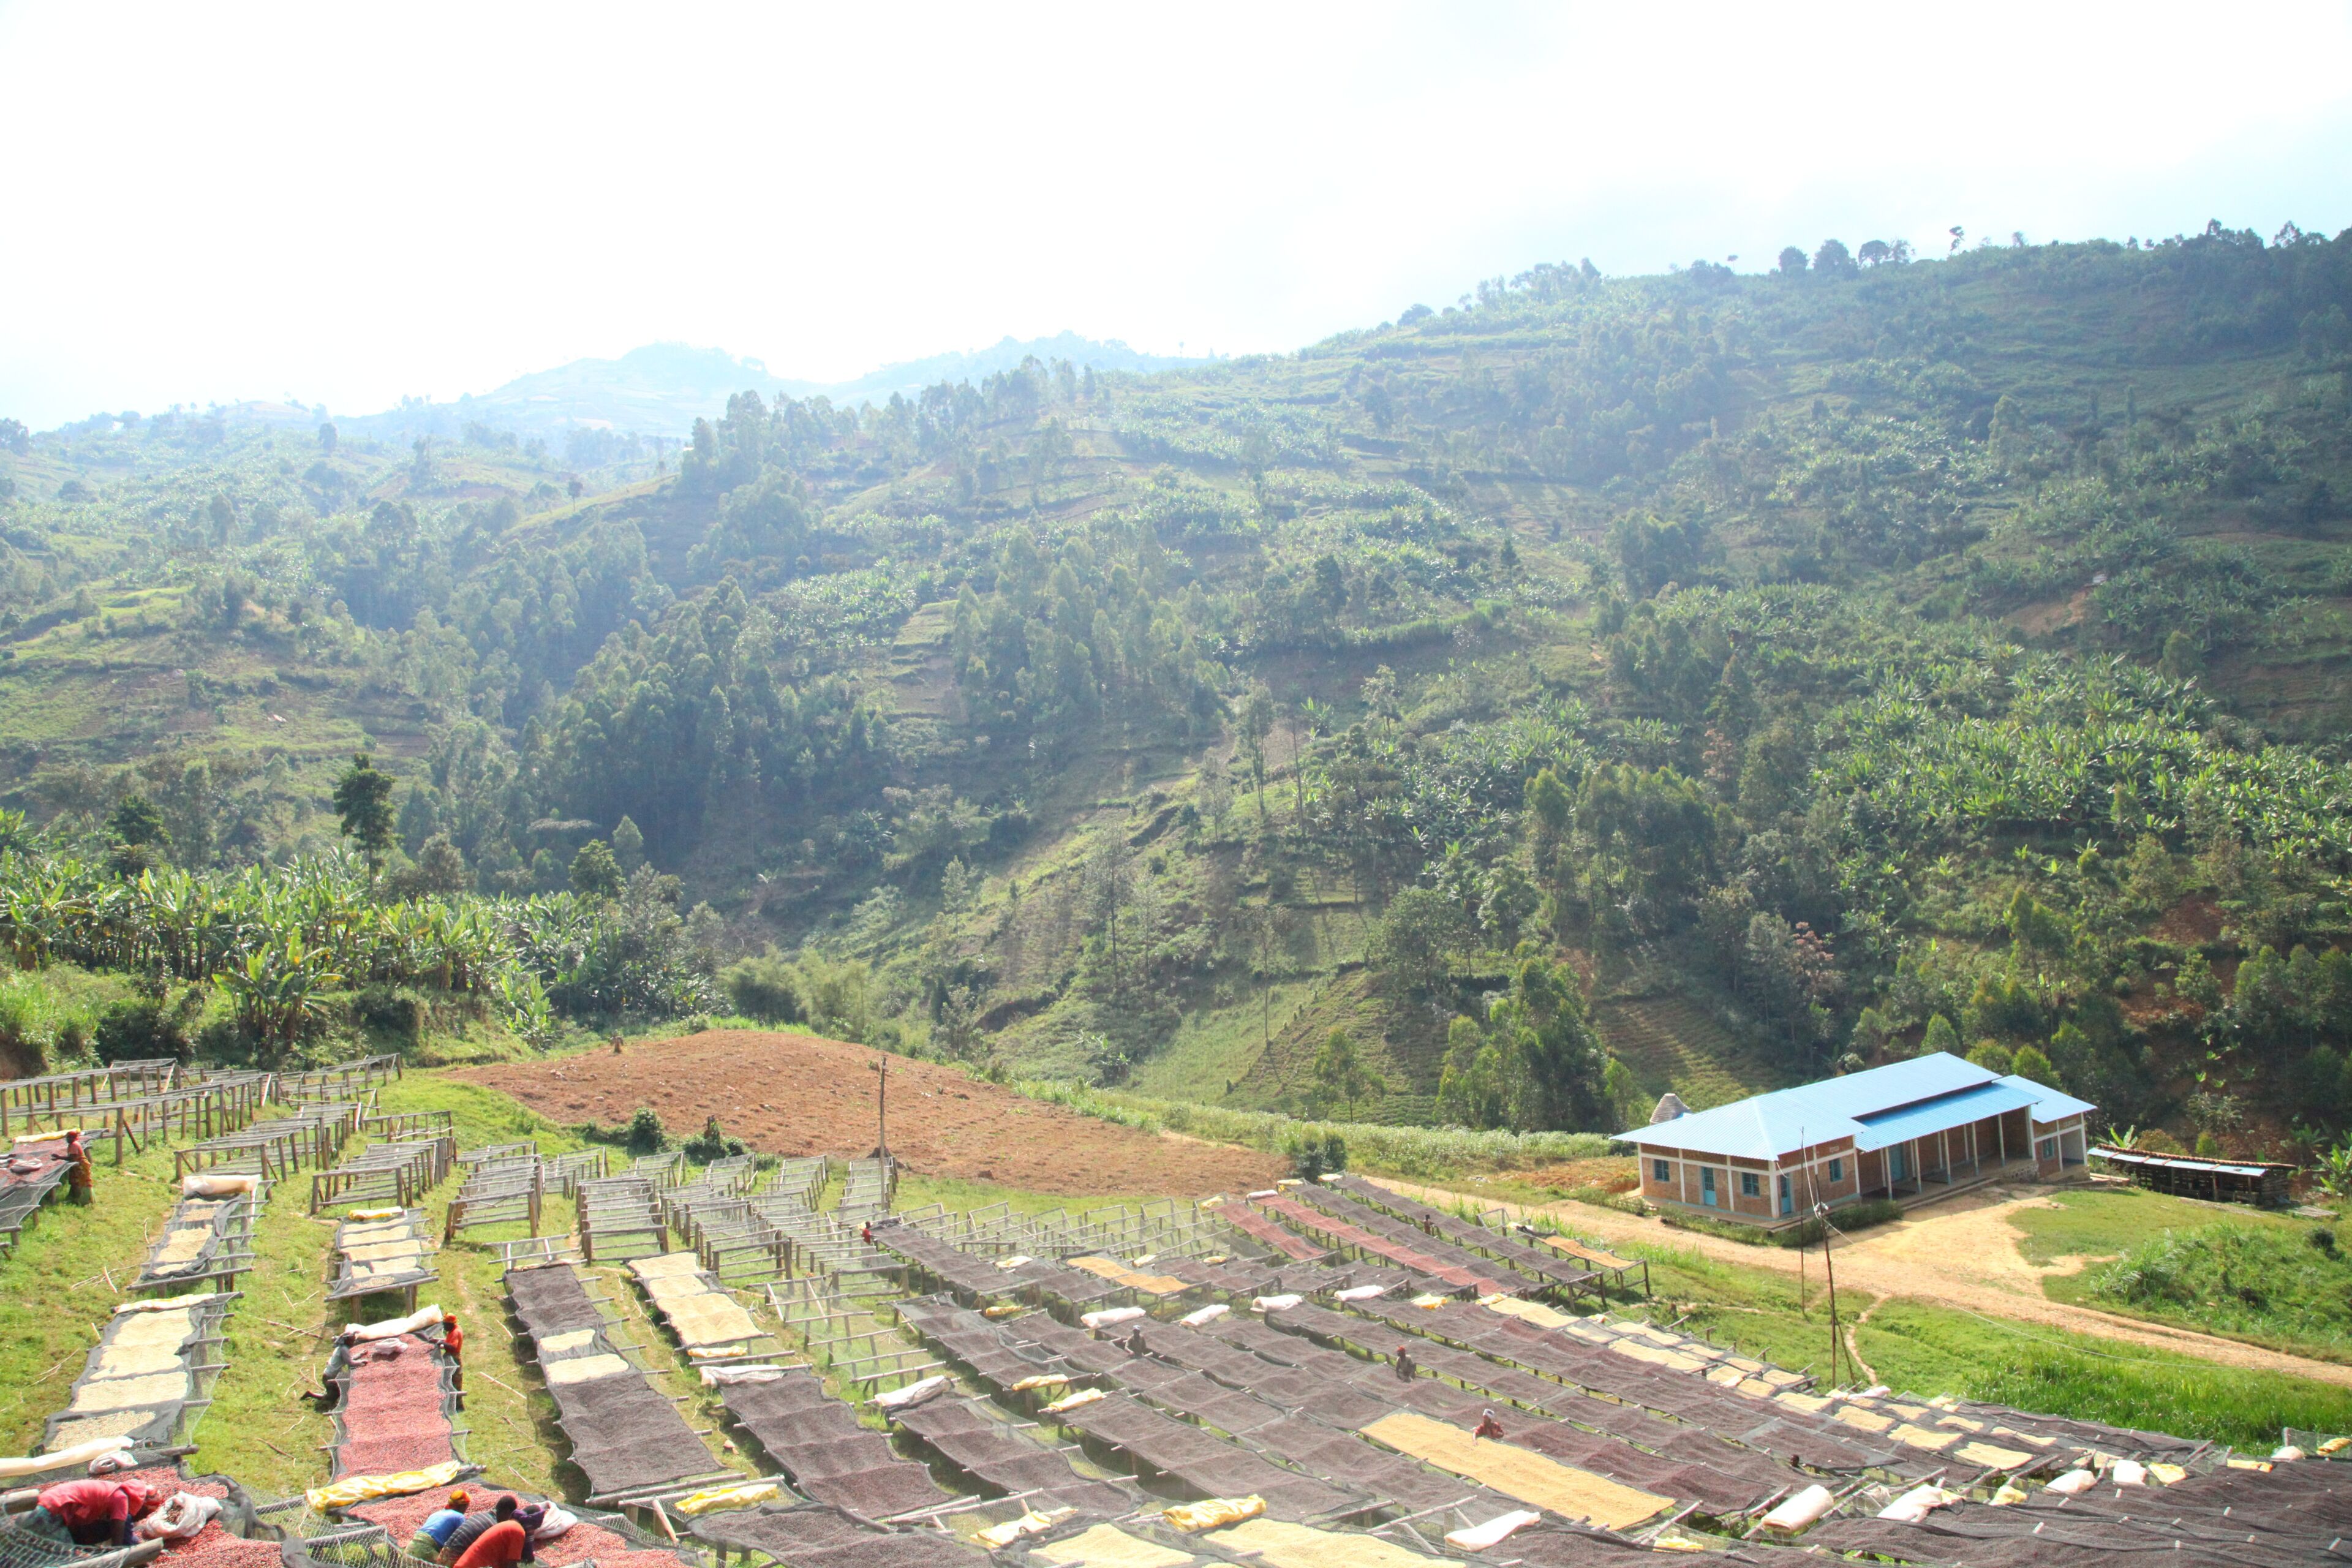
(364, 800)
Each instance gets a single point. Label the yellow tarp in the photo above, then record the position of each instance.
(1107, 1546)
(2039, 1440)
(1867, 1420)
(365, 1488)
(1516, 1472)
(712, 1499)
(1189, 1517)
(1297, 1546)
(1534, 1312)
(665, 1265)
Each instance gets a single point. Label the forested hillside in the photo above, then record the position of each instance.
(1492, 717)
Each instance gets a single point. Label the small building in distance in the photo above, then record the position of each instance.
(1908, 1130)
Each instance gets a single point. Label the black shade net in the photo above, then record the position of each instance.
(821, 1537)
(994, 1453)
(816, 1441)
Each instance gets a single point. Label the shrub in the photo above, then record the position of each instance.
(710, 1144)
(644, 1135)
(766, 987)
(22, 1053)
(144, 1029)
(1316, 1153)
(393, 1010)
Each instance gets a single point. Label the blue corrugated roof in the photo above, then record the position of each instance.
(2049, 1104)
(1945, 1111)
(1765, 1126)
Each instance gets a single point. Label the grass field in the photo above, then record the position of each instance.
(2103, 1222)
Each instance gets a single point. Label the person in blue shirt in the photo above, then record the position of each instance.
(438, 1527)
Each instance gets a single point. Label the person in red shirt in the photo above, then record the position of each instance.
(1488, 1426)
(93, 1512)
(78, 1175)
(453, 1343)
(505, 1543)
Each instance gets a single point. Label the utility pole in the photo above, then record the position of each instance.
(881, 1066)
(1821, 1213)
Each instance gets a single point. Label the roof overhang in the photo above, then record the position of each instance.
(1942, 1115)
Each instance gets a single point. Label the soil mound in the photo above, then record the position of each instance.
(798, 1094)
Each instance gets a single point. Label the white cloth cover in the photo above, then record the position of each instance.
(1801, 1509)
(1109, 1317)
(1479, 1537)
(1360, 1293)
(79, 1454)
(424, 1317)
(1275, 1304)
(913, 1394)
(2128, 1473)
(1205, 1315)
(555, 1523)
(217, 1184)
(1916, 1504)
(2074, 1483)
(720, 1376)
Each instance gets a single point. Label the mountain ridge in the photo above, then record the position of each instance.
(660, 389)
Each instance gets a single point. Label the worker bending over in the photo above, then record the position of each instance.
(93, 1512)
(438, 1527)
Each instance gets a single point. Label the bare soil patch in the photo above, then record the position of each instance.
(798, 1094)
(1612, 1174)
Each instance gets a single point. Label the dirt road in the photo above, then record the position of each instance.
(1961, 1252)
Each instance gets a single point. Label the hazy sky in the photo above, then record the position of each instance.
(351, 204)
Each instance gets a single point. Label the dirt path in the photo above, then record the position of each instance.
(1960, 1254)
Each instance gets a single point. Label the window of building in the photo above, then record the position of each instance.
(1748, 1185)
(1837, 1171)
(1661, 1171)
(2047, 1149)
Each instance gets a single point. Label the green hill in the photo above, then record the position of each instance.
(1962, 641)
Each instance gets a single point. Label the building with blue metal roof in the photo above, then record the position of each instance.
(1908, 1130)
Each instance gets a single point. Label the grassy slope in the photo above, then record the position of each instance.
(2219, 1268)
(1921, 1348)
